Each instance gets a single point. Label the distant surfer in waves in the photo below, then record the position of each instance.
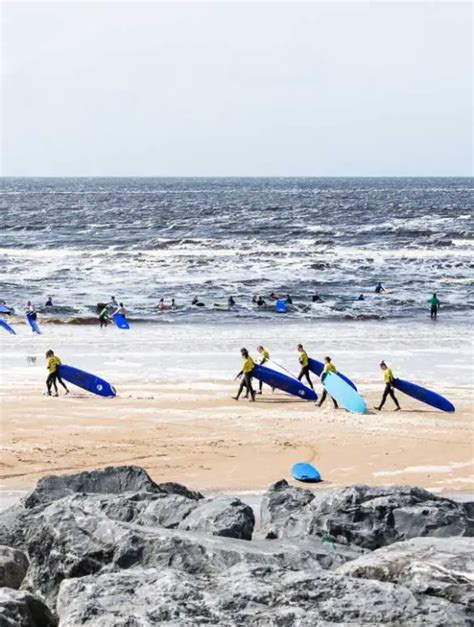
(258, 300)
(328, 367)
(316, 298)
(231, 302)
(379, 288)
(388, 391)
(304, 363)
(30, 310)
(173, 303)
(289, 300)
(361, 297)
(49, 302)
(52, 363)
(196, 302)
(161, 304)
(248, 365)
(435, 304)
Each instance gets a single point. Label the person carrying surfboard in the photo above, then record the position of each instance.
(121, 311)
(304, 363)
(328, 367)
(435, 303)
(388, 391)
(30, 310)
(52, 363)
(265, 357)
(248, 365)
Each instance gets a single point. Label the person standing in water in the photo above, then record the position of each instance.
(173, 303)
(435, 304)
(388, 391)
(379, 288)
(49, 302)
(52, 363)
(113, 305)
(328, 367)
(120, 310)
(161, 305)
(104, 316)
(265, 357)
(246, 374)
(304, 363)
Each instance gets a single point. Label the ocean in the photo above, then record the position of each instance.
(84, 240)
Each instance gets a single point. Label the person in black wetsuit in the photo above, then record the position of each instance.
(388, 391)
(247, 367)
(289, 300)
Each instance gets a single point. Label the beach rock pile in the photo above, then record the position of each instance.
(112, 547)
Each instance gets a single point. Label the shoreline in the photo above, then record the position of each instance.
(194, 434)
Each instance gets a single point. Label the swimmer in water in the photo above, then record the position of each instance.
(161, 304)
(196, 302)
(361, 297)
(316, 298)
(49, 302)
(379, 288)
(260, 301)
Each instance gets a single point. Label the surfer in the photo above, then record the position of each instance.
(120, 310)
(260, 301)
(247, 367)
(265, 357)
(304, 363)
(196, 302)
(316, 298)
(173, 303)
(113, 303)
(379, 288)
(49, 302)
(273, 296)
(361, 297)
(104, 316)
(161, 304)
(388, 391)
(328, 367)
(435, 304)
(231, 302)
(52, 363)
(289, 300)
(30, 310)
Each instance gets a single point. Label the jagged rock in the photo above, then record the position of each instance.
(246, 595)
(221, 516)
(22, 609)
(442, 567)
(71, 538)
(370, 517)
(110, 480)
(13, 567)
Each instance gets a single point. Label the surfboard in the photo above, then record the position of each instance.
(344, 394)
(7, 327)
(283, 382)
(5, 309)
(86, 381)
(33, 324)
(317, 367)
(120, 321)
(424, 395)
(305, 472)
(281, 306)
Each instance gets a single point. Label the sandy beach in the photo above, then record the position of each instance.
(194, 433)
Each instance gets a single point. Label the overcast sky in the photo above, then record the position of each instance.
(217, 89)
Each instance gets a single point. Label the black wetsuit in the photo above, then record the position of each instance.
(388, 391)
(246, 382)
(323, 398)
(304, 372)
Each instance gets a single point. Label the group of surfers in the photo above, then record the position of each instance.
(248, 365)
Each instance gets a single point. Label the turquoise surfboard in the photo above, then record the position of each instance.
(344, 394)
(7, 327)
(318, 366)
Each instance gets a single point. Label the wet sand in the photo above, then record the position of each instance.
(194, 433)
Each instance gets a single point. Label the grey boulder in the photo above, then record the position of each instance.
(13, 567)
(370, 517)
(221, 516)
(22, 609)
(246, 594)
(442, 567)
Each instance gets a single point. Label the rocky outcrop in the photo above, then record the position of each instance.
(246, 594)
(13, 567)
(22, 609)
(443, 567)
(370, 517)
(221, 516)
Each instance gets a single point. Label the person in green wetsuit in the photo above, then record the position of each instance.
(435, 304)
(246, 374)
(104, 317)
(328, 367)
(388, 391)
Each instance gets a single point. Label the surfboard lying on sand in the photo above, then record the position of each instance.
(120, 321)
(317, 367)
(33, 324)
(86, 381)
(7, 327)
(305, 472)
(283, 382)
(424, 395)
(344, 394)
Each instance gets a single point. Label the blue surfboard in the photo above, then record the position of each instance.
(33, 324)
(7, 327)
(281, 306)
(282, 382)
(120, 321)
(344, 394)
(305, 472)
(5, 309)
(86, 381)
(424, 395)
(317, 367)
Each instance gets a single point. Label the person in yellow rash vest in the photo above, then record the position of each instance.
(388, 380)
(328, 367)
(304, 363)
(265, 357)
(248, 365)
(52, 363)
